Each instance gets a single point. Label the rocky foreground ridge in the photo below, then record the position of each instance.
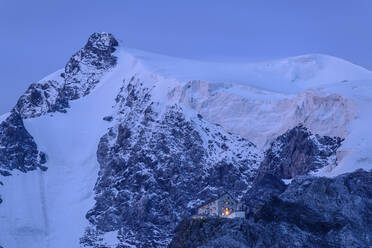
(310, 212)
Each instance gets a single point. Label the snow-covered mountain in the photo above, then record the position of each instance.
(118, 147)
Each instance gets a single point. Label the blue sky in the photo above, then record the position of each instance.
(39, 36)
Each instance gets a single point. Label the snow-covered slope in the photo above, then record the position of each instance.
(121, 134)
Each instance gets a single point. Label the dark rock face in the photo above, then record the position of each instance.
(264, 187)
(156, 166)
(298, 152)
(311, 212)
(40, 98)
(18, 149)
(194, 233)
(86, 67)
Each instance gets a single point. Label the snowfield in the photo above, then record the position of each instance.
(290, 75)
(258, 101)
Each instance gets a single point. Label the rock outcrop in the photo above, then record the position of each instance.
(299, 152)
(42, 97)
(18, 149)
(295, 153)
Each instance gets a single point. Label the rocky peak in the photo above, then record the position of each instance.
(103, 42)
(81, 74)
(85, 69)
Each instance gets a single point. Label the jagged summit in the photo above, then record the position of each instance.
(81, 74)
(87, 66)
(102, 41)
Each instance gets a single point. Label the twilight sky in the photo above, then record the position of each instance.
(39, 36)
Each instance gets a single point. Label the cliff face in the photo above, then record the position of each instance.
(311, 212)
